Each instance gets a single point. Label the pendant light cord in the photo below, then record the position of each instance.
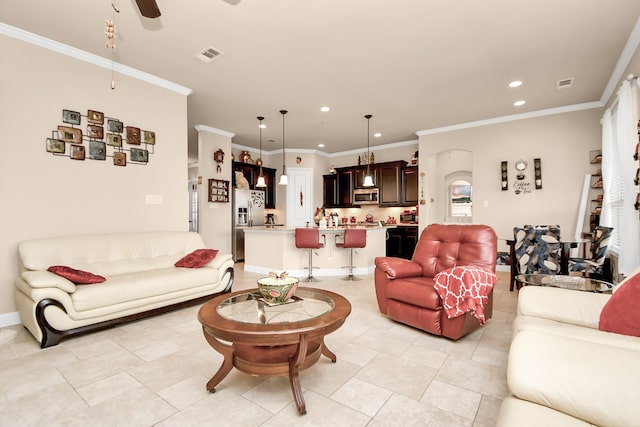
(368, 117)
(260, 118)
(283, 112)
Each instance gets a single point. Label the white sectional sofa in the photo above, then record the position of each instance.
(141, 280)
(563, 370)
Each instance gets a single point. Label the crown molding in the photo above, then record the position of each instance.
(623, 62)
(513, 117)
(204, 128)
(90, 58)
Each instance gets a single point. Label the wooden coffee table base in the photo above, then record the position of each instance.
(278, 341)
(270, 360)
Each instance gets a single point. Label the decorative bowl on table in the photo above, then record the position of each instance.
(277, 289)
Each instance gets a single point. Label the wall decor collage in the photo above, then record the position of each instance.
(95, 143)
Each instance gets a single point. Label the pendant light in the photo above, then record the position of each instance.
(368, 180)
(284, 180)
(261, 183)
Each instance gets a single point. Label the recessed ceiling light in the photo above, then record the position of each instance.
(377, 135)
(321, 145)
(515, 83)
(519, 103)
(324, 109)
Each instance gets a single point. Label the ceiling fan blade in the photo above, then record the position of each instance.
(148, 8)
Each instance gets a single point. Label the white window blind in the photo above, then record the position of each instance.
(619, 138)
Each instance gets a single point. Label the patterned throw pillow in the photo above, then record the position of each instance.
(621, 314)
(78, 277)
(198, 258)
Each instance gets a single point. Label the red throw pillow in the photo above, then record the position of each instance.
(78, 277)
(198, 258)
(621, 314)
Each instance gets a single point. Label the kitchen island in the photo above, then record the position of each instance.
(273, 249)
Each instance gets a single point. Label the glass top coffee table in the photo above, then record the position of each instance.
(272, 339)
(577, 283)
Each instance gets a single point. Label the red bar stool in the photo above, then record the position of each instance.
(353, 238)
(309, 238)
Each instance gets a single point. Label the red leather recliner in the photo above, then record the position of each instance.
(404, 288)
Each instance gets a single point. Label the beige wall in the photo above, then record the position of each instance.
(44, 195)
(214, 218)
(561, 141)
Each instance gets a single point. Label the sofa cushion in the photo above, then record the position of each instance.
(197, 259)
(139, 286)
(530, 323)
(78, 277)
(621, 314)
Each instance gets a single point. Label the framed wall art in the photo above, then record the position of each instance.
(149, 137)
(97, 150)
(90, 137)
(55, 146)
(114, 139)
(139, 155)
(133, 135)
(95, 117)
(218, 190)
(69, 134)
(71, 117)
(77, 152)
(114, 125)
(120, 158)
(95, 131)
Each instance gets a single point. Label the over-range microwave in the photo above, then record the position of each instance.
(365, 196)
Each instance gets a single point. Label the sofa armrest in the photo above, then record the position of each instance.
(397, 268)
(219, 261)
(46, 279)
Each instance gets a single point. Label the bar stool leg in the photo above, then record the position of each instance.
(310, 277)
(350, 267)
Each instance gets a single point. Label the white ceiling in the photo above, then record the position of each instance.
(414, 64)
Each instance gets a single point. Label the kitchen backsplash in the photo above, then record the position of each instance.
(378, 213)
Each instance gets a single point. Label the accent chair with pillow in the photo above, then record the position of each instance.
(594, 266)
(446, 289)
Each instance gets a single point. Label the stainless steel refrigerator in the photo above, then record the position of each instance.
(248, 211)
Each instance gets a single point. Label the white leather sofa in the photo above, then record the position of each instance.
(141, 280)
(564, 371)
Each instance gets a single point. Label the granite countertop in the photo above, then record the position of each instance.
(278, 229)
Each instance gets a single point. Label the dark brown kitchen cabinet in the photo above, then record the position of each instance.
(410, 186)
(360, 172)
(330, 191)
(345, 188)
(251, 172)
(401, 241)
(390, 183)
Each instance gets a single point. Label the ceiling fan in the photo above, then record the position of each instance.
(148, 8)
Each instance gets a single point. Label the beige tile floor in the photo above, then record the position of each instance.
(153, 373)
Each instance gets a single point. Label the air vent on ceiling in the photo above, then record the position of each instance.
(565, 83)
(208, 54)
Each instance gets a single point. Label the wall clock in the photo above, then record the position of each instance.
(521, 165)
(218, 157)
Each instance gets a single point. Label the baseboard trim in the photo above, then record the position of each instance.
(359, 271)
(9, 319)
